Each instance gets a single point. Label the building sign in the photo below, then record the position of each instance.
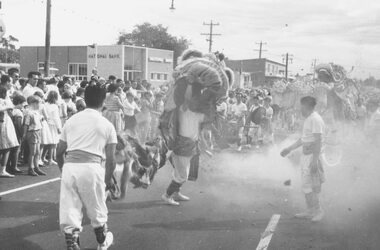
(108, 60)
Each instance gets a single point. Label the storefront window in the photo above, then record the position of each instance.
(78, 70)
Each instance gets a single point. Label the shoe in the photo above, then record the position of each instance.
(52, 163)
(31, 172)
(318, 216)
(239, 149)
(39, 171)
(15, 171)
(169, 200)
(180, 197)
(107, 242)
(5, 174)
(308, 214)
(41, 163)
(72, 241)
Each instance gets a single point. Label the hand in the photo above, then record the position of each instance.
(109, 184)
(285, 152)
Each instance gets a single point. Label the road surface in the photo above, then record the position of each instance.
(230, 208)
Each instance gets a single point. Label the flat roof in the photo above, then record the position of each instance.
(110, 45)
(255, 59)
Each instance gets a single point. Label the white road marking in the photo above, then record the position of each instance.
(268, 233)
(29, 186)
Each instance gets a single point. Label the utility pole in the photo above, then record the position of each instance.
(261, 48)
(313, 65)
(287, 57)
(47, 38)
(211, 34)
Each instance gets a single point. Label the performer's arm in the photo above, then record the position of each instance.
(316, 151)
(110, 163)
(292, 147)
(61, 150)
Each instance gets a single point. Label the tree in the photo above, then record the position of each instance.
(8, 52)
(154, 36)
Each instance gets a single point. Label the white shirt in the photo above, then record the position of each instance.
(88, 131)
(313, 124)
(29, 90)
(269, 112)
(129, 108)
(189, 123)
(238, 109)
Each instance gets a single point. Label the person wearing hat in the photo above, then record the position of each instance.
(239, 111)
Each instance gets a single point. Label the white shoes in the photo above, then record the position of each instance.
(308, 214)
(180, 197)
(239, 149)
(169, 200)
(315, 216)
(318, 216)
(107, 243)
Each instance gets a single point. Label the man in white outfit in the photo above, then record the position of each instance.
(87, 140)
(311, 165)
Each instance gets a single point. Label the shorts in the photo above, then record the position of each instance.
(33, 137)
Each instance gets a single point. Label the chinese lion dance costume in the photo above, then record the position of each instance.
(343, 94)
(200, 80)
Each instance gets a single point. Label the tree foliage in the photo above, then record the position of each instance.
(154, 36)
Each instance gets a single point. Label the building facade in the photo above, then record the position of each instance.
(257, 72)
(123, 61)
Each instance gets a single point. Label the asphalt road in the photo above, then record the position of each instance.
(231, 205)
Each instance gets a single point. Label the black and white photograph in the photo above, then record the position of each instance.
(189, 125)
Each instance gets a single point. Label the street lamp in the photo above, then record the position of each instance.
(172, 6)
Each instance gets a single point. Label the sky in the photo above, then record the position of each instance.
(346, 32)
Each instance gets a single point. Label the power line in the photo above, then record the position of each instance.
(260, 48)
(211, 34)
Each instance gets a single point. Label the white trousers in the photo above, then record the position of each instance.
(82, 186)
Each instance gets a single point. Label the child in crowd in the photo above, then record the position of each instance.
(8, 137)
(55, 127)
(145, 116)
(158, 109)
(19, 103)
(32, 134)
(71, 108)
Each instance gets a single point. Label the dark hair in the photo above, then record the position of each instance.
(11, 71)
(112, 78)
(40, 82)
(33, 99)
(32, 73)
(3, 92)
(113, 87)
(39, 94)
(61, 84)
(52, 97)
(5, 79)
(66, 95)
(52, 80)
(119, 81)
(80, 105)
(94, 96)
(309, 101)
(83, 84)
(80, 91)
(18, 99)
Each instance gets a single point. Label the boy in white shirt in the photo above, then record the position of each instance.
(311, 165)
(239, 111)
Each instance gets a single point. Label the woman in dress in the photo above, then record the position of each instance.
(8, 137)
(113, 108)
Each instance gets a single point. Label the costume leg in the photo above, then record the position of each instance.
(173, 188)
